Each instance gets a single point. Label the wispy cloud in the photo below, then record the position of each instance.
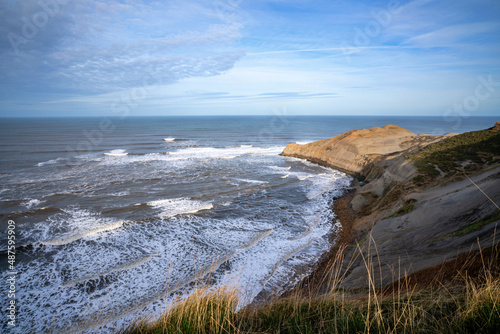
(94, 45)
(453, 35)
(225, 56)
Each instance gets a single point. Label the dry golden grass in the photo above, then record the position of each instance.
(464, 304)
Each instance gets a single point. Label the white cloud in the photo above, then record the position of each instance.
(451, 35)
(99, 46)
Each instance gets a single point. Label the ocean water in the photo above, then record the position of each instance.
(117, 218)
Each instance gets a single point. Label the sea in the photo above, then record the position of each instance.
(114, 219)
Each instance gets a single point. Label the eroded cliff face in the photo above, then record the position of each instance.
(408, 226)
(375, 155)
(355, 151)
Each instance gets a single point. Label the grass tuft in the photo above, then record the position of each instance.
(408, 207)
(475, 226)
(203, 312)
(467, 152)
(466, 304)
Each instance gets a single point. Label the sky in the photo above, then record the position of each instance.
(249, 57)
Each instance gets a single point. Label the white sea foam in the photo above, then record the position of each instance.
(68, 226)
(50, 162)
(113, 272)
(257, 238)
(303, 142)
(126, 266)
(280, 168)
(179, 206)
(218, 153)
(284, 176)
(315, 193)
(117, 153)
(32, 203)
(246, 146)
(186, 156)
(252, 181)
(252, 249)
(120, 193)
(70, 237)
(169, 139)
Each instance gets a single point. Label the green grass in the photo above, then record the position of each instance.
(408, 207)
(469, 151)
(204, 312)
(475, 226)
(476, 309)
(470, 306)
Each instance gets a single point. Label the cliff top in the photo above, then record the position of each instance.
(355, 150)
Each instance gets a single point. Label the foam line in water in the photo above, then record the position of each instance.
(287, 256)
(321, 192)
(68, 238)
(196, 154)
(199, 274)
(32, 203)
(122, 267)
(309, 230)
(257, 238)
(116, 153)
(50, 162)
(252, 181)
(178, 206)
(284, 176)
(169, 139)
(176, 287)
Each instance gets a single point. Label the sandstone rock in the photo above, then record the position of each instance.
(425, 236)
(496, 127)
(354, 151)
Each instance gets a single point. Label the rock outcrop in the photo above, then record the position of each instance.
(433, 232)
(354, 151)
(402, 225)
(496, 127)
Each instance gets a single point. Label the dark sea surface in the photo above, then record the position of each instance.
(118, 217)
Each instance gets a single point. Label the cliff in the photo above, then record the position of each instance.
(422, 200)
(356, 150)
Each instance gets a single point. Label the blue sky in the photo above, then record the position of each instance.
(239, 57)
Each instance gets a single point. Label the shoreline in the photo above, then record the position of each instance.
(322, 265)
(313, 283)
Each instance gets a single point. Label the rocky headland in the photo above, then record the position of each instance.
(418, 201)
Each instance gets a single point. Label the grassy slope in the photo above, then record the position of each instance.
(466, 152)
